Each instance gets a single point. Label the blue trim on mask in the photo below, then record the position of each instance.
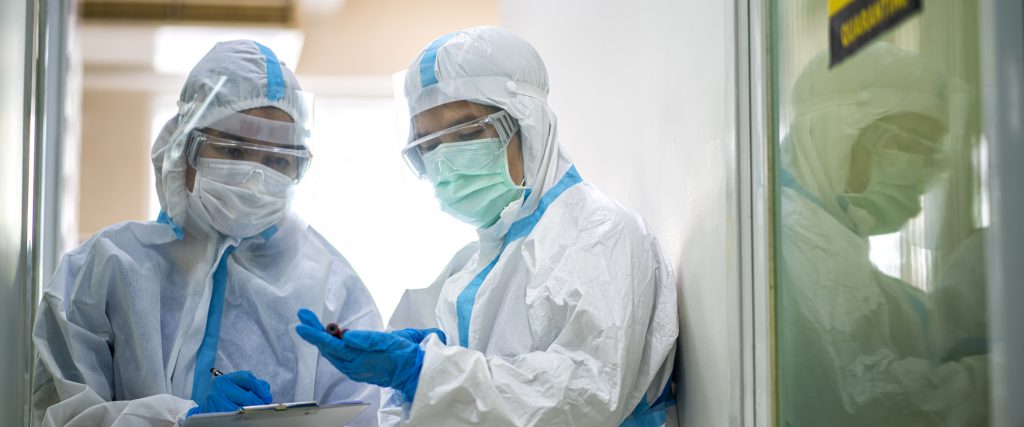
(519, 229)
(207, 354)
(428, 62)
(275, 78)
(654, 414)
(163, 218)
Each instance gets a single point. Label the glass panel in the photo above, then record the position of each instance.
(880, 216)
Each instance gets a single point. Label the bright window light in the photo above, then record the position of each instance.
(178, 48)
(885, 253)
(361, 196)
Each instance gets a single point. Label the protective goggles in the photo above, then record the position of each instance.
(886, 136)
(291, 162)
(499, 124)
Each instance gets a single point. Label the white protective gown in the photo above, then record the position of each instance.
(123, 317)
(858, 347)
(564, 311)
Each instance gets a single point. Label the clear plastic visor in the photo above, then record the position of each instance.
(886, 136)
(270, 126)
(289, 161)
(499, 125)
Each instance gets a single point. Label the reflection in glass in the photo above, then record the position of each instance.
(880, 290)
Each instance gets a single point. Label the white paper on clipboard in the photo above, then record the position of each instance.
(302, 414)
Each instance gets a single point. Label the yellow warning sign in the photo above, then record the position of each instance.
(854, 23)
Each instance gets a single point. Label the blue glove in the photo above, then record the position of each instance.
(418, 335)
(231, 391)
(379, 358)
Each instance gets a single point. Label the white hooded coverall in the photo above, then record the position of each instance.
(123, 318)
(564, 311)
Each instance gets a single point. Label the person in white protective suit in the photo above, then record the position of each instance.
(563, 312)
(857, 347)
(134, 320)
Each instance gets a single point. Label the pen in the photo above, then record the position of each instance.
(333, 329)
(216, 372)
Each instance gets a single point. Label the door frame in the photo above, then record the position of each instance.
(1002, 68)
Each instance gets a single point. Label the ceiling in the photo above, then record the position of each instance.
(345, 45)
(280, 12)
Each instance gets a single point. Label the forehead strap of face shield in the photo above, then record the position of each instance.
(285, 134)
(491, 90)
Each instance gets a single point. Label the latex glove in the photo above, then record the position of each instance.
(418, 335)
(231, 391)
(379, 358)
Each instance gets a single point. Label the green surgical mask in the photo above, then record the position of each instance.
(894, 192)
(471, 180)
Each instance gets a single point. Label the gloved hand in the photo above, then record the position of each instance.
(418, 335)
(380, 358)
(231, 391)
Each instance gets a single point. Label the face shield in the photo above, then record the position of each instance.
(287, 159)
(248, 145)
(271, 128)
(900, 147)
(499, 125)
(888, 135)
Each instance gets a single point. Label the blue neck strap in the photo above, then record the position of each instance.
(786, 179)
(207, 355)
(519, 229)
(163, 218)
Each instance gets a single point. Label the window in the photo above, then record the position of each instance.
(362, 197)
(880, 221)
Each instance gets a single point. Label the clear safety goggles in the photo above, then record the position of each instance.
(885, 136)
(499, 124)
(289, 161)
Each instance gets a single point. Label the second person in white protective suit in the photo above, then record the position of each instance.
(858, 347)
(134, 320)
(563, 312)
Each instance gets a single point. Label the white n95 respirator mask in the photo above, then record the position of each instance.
(239, 198)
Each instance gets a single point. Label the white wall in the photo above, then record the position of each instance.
(645, 94)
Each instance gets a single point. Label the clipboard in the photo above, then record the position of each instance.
(299, 414)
